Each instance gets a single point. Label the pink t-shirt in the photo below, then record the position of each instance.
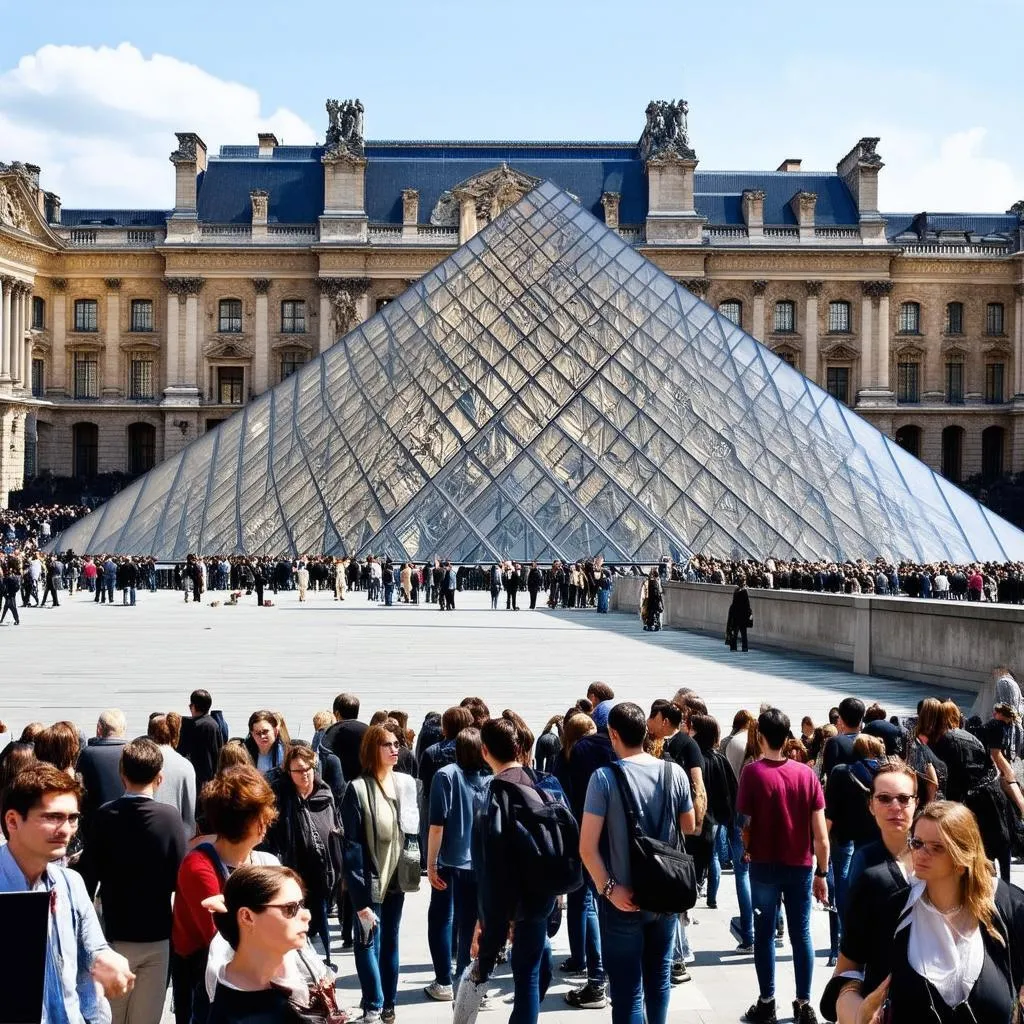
(780, 798)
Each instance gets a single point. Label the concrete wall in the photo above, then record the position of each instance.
(949, 643)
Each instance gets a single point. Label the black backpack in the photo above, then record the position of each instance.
(720, 783)
(664, 876)
(545, 843)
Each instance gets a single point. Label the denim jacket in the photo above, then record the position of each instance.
(79, 934)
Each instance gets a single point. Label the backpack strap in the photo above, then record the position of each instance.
(214, 858)
(628, 800)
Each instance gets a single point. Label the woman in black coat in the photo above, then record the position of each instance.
(741, 618)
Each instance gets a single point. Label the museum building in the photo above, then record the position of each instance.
(127, 334)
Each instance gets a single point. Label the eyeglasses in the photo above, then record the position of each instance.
(903, 799)
(301, 771)
(54, 819)
(934, 849)
(394, 745)
(288, 910)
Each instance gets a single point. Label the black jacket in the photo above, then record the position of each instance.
(99, 765)
(271, 1006)
(290, 836)
(740, 613)
(201, 740)
(343, 739)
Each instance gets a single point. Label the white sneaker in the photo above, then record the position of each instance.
(442, 993)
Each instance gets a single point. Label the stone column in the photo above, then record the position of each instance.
(882, 329)
(1018, 341)
(58, 371)
(813, 289)
(173, 332)
(112, 341)
(757, 327)
(17, 331)
(190, 371)
(261, 338)
(23, 370)
(324, 342)
(5, 327)
(867, 344)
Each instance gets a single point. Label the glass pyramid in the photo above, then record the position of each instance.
(546, 392)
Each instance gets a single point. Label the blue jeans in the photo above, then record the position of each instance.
(741, 873)
(842, 855)
(584, 933)
(451, 918)
(714, 865)
(531, 968)
(389, 593)
(638, 952)
(767, 883)
(602, 600)
(377, 965)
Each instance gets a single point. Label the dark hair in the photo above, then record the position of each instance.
(741, 720)
(833, 716)
(30, 732)
(401, 717)
(30, 785)
(369, 748)
(602, 691)
(346, 706)
(875, 713)
(705, 731)
(141, 761)
(264, 716)
(236, 799)
(469, 750)
(773, 725)
(58, 745)
(851, 711)
(398, 732)
(672, 713)
(630, 722)
(159, 729)
(253, 887)
(454, 720)
(892, 766)
(201, 701)
(233, 754)
(477, 708)
(501, 738)
(13, 758)
(298, 752)
(378, 718)
(524, 734)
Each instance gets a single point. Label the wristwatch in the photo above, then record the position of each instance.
(820, 874)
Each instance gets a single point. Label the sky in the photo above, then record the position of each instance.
(93, 92)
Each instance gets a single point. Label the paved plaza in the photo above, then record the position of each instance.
(75, 660)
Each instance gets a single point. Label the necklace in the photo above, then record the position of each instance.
(952, 912)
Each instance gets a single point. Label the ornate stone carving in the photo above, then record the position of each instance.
(113, 283)
(183, 286)
(59, 283)
(344, 131)
(867, 151)
(231, 347)
(755, 195)
(876, 289)
(260, 199)
(610, 202)
(12, 211)
(410, 205)
(490, 191)
(842, 350)
(813, 288)
(665, 136)
(261, 284)
(188, 144)
(698, 285)
(1017, 208)
(343, 292)
(760, 286)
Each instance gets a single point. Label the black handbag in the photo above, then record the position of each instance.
(664, 877)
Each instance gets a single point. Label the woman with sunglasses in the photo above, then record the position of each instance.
(379, 816)
(956, 953)
(263, 917)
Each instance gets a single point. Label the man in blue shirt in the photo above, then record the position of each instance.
(40, 815)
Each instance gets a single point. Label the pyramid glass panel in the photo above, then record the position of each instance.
(546, 392)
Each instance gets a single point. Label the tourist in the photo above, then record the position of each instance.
(344, 738)
(652, 602)
(177, 785)
(637, 945)
(201, 737)
(549, 743)
(135, 848)
(99, 763)
(839, 749)
(534, 581)
(237, 808)
(11, 587)
(378, 813)
(721, 785)
(264, 742)
(13, 758)
(59, 745)
(741, 616)
(435, 757)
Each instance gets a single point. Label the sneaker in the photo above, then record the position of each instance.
(590, 997)
(679, 973)
(502, 957)
(442, 993)
(712, 904)
(571, 967)
(832, 960)
(761, 1013)
(745, 949)
(487, 1004)
(736, 927)
(803, 1013)
(387, 1015)
(366, 1017)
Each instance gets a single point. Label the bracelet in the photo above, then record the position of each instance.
(608, 887)
(820, 874)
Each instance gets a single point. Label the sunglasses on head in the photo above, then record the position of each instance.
(888, 798)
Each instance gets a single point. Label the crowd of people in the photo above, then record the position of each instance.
(218, 862)
(35, 525)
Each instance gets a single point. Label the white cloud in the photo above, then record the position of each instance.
(100, 121)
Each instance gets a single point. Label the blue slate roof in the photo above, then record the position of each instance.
(927, 225)
(113, 218)
(719, 193)
(296, 190)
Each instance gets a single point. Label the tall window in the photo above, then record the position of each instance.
(910, 318)
(38, 313)
(837, 382)
(291, 360)
(909, 438)
(87, 375)
(994, 375)
(994, 318)
(955, 382)
(952, 453)
(784, 321)
(38, 378)
(142, 315)
(839, 317)
(992, 452)
(954, 318)
(732, 309)
(230, 380)
(86, 315)
(85, 442)
(293, 317)
(141, 448)
(140, 376)
(229, 320)
(908, 376)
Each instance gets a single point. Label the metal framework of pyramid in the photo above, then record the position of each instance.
(546, 392)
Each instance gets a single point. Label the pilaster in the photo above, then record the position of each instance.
(259, 198)
(802, 205)
(112, 340)
(5, 329)
(58, 371)
(813, 289)
(344, 217)
(324, 340)
(261, 339)
(876, 391)
(671, 216)
(757, 327)
(1018, 340)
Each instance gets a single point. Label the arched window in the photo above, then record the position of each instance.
(992, 439)
(954, 318)
(952, 453)
(910, 318)
(85, 442)
(141, 448)
(909, 439)
(784, 321)
(839, 318)
(229, 318)
(732, 309)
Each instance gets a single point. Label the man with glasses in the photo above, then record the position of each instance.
(40, 814)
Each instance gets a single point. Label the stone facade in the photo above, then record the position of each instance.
(122, 344)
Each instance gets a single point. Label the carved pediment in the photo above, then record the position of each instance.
(140, 343)
(292, 341)
(840, 351)
(997, 346)
(18, 212)
(908, 350)
(954, 350)
(228, 348)
(491, 191)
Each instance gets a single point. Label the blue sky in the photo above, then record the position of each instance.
(93, 92)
